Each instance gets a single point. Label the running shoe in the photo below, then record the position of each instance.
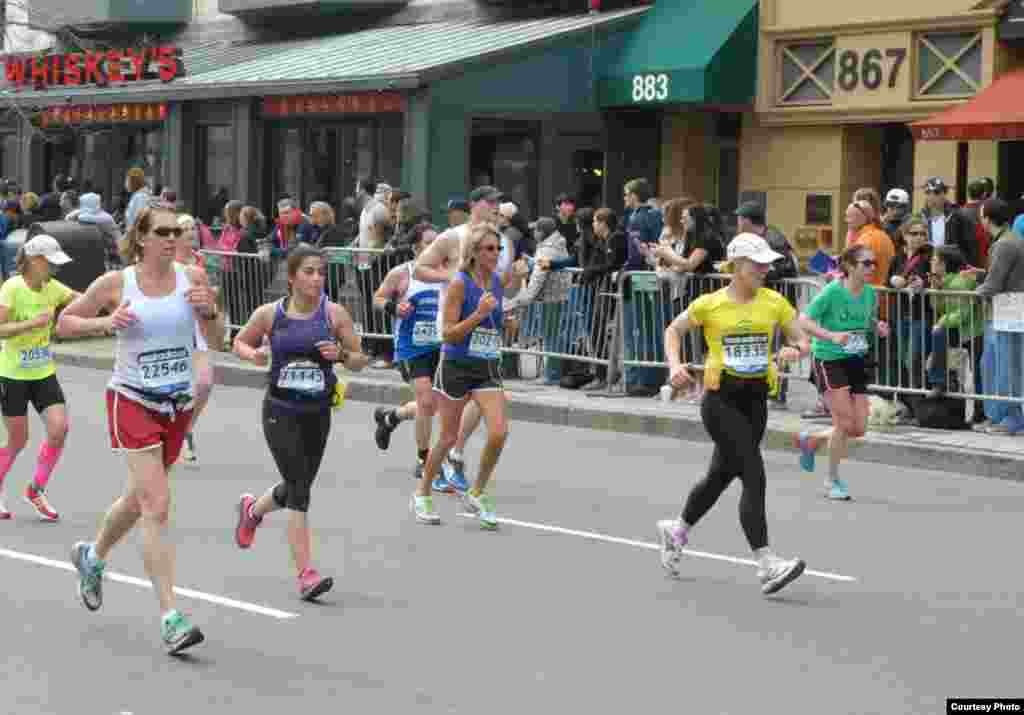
(312, 585)
(383, 434)
(441, 485)
(808, 448)
(4, 514)
(780, 574)
(455, 478)
(35, 497)
(839, 490)
(454, 471)
(178, 634)
(245, 531)
(423, 509)
(90, 576)
(188, 450)
(673, 538)
(483, 507)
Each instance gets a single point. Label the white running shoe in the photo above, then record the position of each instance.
(671, 546)
(779, 574)
(423, 509)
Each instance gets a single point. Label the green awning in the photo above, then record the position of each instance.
(684, 52)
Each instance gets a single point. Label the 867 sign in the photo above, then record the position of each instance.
(870, 69)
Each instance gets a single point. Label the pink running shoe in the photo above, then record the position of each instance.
(312, 585)
(245, 532)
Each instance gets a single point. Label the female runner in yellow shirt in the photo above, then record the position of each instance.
(28, 303)
(739, 322)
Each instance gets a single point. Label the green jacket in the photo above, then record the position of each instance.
(959, 312)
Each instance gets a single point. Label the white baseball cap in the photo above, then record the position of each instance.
(43, 245)
(752, 246)
(897, 196)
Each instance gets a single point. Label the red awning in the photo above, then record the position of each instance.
(997, 112)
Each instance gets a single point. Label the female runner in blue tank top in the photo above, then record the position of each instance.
(470, 369)
(307, 334)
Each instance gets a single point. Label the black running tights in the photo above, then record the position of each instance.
(297, 442)
(735, 417)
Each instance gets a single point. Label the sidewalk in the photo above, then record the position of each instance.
(946, 451)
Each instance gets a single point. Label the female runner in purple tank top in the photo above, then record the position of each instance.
(308, 334)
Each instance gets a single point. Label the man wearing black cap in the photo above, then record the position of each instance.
(947, 225)
(750, 218)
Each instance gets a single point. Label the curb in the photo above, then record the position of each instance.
(888, 451)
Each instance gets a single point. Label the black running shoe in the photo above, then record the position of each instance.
(383, 434)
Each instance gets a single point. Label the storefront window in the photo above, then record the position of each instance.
(504, 154)
(9, 155)
(807, 72)
(948, 64)
(216, 170)
(323, 160)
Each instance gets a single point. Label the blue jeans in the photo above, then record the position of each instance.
(1002, 365)
(915, 339)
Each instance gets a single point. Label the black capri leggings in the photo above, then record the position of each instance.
(735, 416)
(297, 441)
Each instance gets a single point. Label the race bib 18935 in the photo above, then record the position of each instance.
(746, 354)
(166, 372)
(304, 377)
(485, 344)
(35, 358)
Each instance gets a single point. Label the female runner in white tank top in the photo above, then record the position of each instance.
(155, 307)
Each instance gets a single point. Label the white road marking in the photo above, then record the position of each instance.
(652, 546)
(142, 583)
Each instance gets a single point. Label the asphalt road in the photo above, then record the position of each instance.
(918, 599)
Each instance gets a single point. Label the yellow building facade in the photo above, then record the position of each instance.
(837, 86)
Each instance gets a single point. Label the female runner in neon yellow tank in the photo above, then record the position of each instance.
(28, 303)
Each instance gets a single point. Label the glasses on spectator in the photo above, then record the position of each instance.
(490, 248)
(168, 232)
(869, 263)
(917, 233)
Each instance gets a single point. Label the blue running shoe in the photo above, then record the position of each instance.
(454, 475)
(808, 449)
(839, 491)
(90, 576)
(454, 471)
(441, 485)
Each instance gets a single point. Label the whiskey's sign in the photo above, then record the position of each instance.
(95, 67)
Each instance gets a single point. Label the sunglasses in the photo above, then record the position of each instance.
(870, 263)
(489, 249)
(166, 232)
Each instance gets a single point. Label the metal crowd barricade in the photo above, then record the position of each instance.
(951, 343)
(577, 329)
(650, 301)
(353, 276)
(244, 280)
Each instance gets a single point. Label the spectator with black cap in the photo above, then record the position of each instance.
(947, 224)
(750, 218)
